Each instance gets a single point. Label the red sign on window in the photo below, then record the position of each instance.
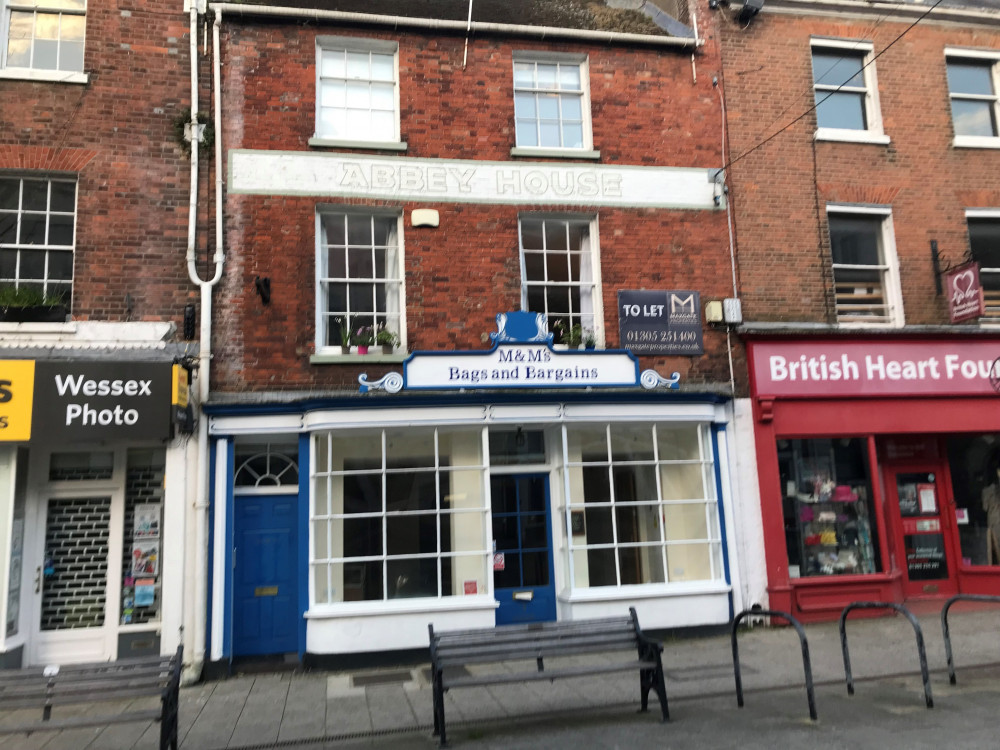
(964, 293)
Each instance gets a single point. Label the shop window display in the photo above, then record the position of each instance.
(974, 461)
(830, 525)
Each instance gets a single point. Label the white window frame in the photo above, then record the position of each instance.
(321, 295)
(348, 45)
(873, 113)
(20, 247)
(31, 73)
(889, 266)
(990, 214)
(984, 57)
(597, 311)
(586, 150)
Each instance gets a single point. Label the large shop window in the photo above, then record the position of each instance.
(359, 284)
(642, 505)
(974, 461)
(829, 513)
(399, 515)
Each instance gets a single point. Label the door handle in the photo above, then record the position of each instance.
(38, 579)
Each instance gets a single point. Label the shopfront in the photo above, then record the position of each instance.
(91, 510)
(878, 462)
(490, 503)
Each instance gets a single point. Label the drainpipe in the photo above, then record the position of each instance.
(196, 658)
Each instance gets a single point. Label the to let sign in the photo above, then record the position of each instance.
(660, 322)
(965, 293)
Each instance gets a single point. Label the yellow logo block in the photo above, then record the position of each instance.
(17, 392)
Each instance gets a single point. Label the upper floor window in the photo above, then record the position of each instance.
(44, 35)
(561, 276)
(359, 282)
(357, 96)
(972, 87)
(846, 92)
(865, 272)
(984, 243)
(551, 102)
(37, 231)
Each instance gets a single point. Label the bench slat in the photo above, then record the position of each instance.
(82, 721)
(74, 697)
(507, 631)
(532, 637)
(496, 679)
(532, 650)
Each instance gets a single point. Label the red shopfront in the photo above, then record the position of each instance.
(879, 467)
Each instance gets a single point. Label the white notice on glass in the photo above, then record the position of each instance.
(928, 500)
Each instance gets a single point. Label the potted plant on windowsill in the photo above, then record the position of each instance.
(28, 304)
(589, 339)
(386, 339)
(363, 338)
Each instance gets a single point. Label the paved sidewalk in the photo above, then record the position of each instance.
(392, 707)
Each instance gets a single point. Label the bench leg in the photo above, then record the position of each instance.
(660, 686)
(439, 728)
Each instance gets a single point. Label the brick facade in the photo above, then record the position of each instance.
(651, 106)
(116, 134)
(781, 186)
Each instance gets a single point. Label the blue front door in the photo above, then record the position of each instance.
(265, 592)
(522, 560)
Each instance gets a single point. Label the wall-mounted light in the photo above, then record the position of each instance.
(750, 9)
(263, 285)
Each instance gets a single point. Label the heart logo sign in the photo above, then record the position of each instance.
(963, 285)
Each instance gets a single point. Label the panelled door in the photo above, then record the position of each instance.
(523, 581)
(920, 495)
(76, 555)
(265, 585)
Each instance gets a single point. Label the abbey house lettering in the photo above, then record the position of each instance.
(337, 176)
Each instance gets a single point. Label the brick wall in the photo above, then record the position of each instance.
(781, 189)
(650, 107)
(116, 134)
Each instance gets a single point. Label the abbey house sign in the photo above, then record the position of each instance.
(522, 357)
(465, 181)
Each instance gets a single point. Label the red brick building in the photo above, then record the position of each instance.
(94, 196)
(864, 167)
(526, 205)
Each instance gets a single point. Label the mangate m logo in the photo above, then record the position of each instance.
(684, 307)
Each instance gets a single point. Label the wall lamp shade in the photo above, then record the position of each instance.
(750, 9)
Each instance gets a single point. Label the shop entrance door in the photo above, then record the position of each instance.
(74, 605)
(265, 585)
(920, 496)
(522, 557)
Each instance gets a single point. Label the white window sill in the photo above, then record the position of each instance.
(644, 591)
(37, 328)
(340, 359)
(555, 153)
(975, 141)
(877, 326)
(53, 76)
(852, 136)
(320, 142)
(400, 606)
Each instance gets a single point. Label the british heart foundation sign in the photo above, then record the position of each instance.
(965, 293)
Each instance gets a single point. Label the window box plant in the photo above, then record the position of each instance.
(363, 338)
(28, 304)
(386, 339)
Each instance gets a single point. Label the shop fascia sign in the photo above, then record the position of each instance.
(876, 368)
(84, 401)
(522, 357)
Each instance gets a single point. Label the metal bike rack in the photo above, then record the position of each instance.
(806, 664)
(944, 624)
(916, 628)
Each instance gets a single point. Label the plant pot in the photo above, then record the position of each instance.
(385, 348)
(34, 314)
(362, 348)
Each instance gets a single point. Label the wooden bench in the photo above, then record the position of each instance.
(49, 689)
(454, 650)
